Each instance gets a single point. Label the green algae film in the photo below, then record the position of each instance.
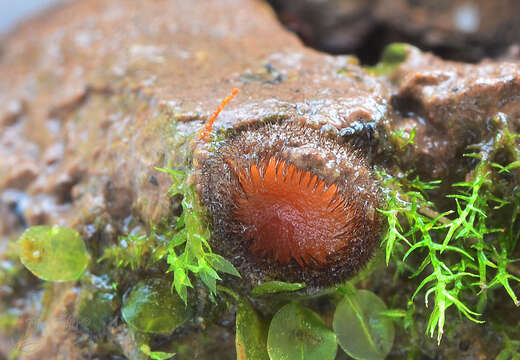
(151, 307)
(53, 253)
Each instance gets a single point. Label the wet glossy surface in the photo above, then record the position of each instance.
(291, 214)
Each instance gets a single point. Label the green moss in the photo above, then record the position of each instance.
(140, 250)
(511, 349)
(401, 139)
(189, 251)
(182, 241)
(393, 55)
(458, 256)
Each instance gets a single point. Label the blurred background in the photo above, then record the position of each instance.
(13, 11)
(461, 30)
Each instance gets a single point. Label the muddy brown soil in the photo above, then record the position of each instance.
(89, 94)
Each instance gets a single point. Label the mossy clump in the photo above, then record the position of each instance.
(142, 250)
(461, 256)
(189, 250)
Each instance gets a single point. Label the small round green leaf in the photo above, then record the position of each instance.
(297, 333)
(151, 307)
(53, 253)
(363, 331)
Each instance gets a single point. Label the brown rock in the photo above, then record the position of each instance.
(107, 79)
(21, 175)
(14, 110)
(452, 105)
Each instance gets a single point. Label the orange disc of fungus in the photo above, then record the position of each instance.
(291, 214)
(288, 203)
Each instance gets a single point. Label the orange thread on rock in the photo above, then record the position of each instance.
(206, 130)
(291, 214)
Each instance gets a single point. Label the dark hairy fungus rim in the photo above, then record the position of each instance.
(288, 203)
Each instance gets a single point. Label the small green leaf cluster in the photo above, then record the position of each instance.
(393, 55)
(359, 325)
(464, 252)
(136, 251)
(189, 251)
(402, 138)
(184, 244)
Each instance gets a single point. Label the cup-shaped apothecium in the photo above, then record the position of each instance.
(289, 203)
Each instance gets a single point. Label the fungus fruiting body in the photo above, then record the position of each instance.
(290, 214)
(290, 204)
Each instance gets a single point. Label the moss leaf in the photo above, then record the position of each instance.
(393, 55)
(363, 331)
(251, 333)
(151, 307)
(297, 333)
(219, 263)
(53, 253)
(272, 287)
(155, 355)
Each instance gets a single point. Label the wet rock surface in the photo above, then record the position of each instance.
(451, 106)
(458, 30)
(89, 95)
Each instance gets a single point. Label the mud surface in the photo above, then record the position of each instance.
(89, 95)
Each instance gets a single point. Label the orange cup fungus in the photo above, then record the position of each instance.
(289, 203)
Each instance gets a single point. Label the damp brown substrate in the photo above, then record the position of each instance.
(88, 95)
(457, 30)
